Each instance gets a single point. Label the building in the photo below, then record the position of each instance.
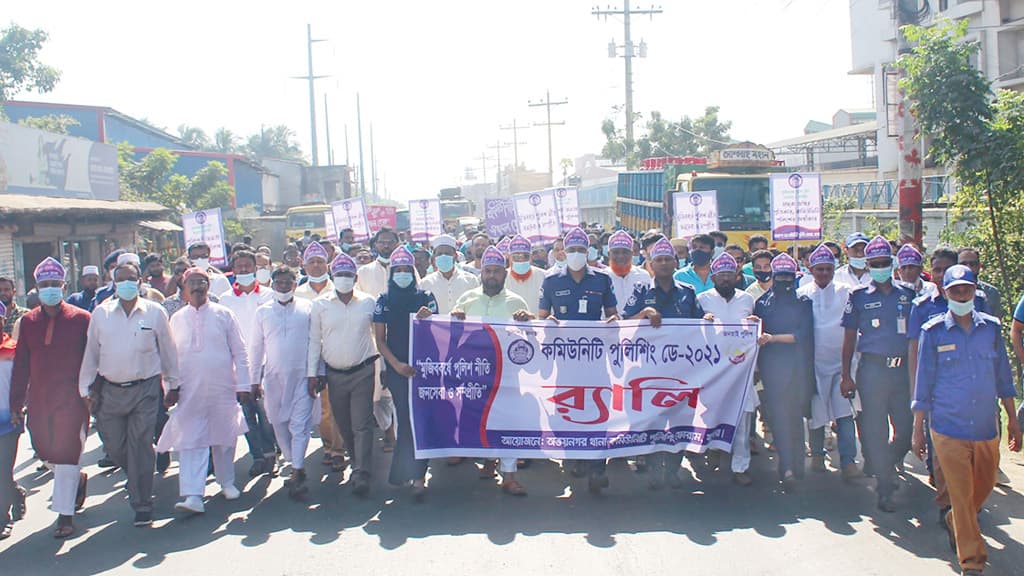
(597, 181)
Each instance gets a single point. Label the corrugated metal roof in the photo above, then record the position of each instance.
(845, 132)
(24, 204)
(161, 226)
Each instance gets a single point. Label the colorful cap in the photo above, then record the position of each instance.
(620, 239)
(492, 257)
(49, 269)
(3, 310)
(576, 238)
(519, 245)
(402, 257)
(662, 247)
(856, 238)
(343, 263)
(784, 264)
(445, 240)
(503, 246)
(91, 271)
(957, 275)
(907, 255)
(821, 255)
(314, 250)
(724, 263)
(879, 247)
(129, 258)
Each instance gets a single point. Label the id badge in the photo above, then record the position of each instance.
(901, 325)
(876, 323)
(583, 306)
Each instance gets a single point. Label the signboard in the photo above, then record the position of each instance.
(425, 221)
(695, 212)
(744, 154)
(568, 200)
(796, 207)
(206, 226)
(537, 213)
(380, 216)
(332, 230)
(500, 216)
(41, 163)
(351, 213)
(576, 389)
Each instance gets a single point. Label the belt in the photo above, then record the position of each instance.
(889, 361)
(356, 368)
(128, 384)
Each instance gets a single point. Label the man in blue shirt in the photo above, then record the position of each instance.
(876, 326)
(109, 263)
(698, 273)
(90, 281)
(579, 292)
(963, 368)
(666, 297)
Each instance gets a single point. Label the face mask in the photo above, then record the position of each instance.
(560, 263)
(345, 246)
(592, 253)
(636, 260)
(783, 286)
(344, 284)
(700, 258)
(319, 279)
(719, 250)
(402, 279)
(762, 276)
(201, 263)
(961, 308)
(263, 275)
(881, 275)
(540, 263)
(521, 268)
(576, 261)
(127, 290)
(682, 262)
(858, 263)
(604, 250)
(245, 279)
(51, 296)
(283, 297)
(385, 260)
(445, 263)
(430, 269)
(727, 292)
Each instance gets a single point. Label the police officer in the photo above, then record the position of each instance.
(665, 298)
(579, 292)
(875, 321)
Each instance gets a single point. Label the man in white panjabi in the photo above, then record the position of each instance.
(280, 345)
(214, 377)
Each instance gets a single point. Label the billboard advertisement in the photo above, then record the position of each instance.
(39, 163)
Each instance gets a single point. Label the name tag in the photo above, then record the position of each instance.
(562, 292)
(583, 306)
(947, 348)
(562, 309)
(872, 305)
(901, 325)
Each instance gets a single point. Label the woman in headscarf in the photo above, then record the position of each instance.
(786, 362)
(391, 326)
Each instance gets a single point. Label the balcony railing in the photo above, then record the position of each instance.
(884, 194)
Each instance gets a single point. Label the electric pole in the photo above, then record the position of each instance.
(346, 147)
(497, 148)
(483, 158)
(908, 137)
(629, 53)
(515, 140)
(547, 103)
(327, 135)
(359, 129)
(312, 94)
(373, 165)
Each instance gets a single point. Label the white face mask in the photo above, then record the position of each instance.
(263, 276)
(283, 297)
(344, 284)
(201, 263)
(576, 261)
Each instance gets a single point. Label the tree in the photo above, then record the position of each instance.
(193, 136)
(225, 141)
(20, 68)
(56, 123)
(152, 178)
(274, 142)
(687, 137)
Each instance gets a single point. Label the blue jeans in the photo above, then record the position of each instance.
(260, 436)
(846, 440)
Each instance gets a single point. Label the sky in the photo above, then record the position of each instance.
(437, 79)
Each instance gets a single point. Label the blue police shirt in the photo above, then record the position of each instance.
(566, 299)
(83, 300)
(679, 302)
(927, 307)
(398, 322)
(960, 375)
(689, 276)
(102, 294)
(880, 319)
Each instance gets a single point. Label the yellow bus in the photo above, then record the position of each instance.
(301, 218)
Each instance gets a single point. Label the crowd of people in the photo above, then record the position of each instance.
(858, 341)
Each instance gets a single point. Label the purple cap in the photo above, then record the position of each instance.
(503, 245)
(314, 250)
(724, 263)
(821, 255)
(519, 245)
(343, 263)
(492, 257)
(957, 275)
(784, 264)
(907, 255)
(879, 247)
(620, 239)
(662, 248)
(49, 269)
(576, 238)
(402, 257)
(3, 310)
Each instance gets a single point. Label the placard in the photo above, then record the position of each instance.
(695, 212)
(796, 207)
(500, 216)
(351, 213)
(568, 200)
(206, 226)
(537, 213)
(425, 221)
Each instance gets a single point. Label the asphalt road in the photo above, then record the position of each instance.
(467, 526)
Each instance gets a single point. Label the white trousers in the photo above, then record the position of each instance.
(194, 464)
(293, 437)
(508, 465)
(741, 444)
(65, 488)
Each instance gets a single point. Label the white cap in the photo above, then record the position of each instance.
(128, 258)
(94, 270)
(444, 240)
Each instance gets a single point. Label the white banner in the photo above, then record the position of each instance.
(796, 207)
(538, 217)
(695, 212)
(206, 226)
(332, 230)
(494, 388)
(568, 200)
(425, 221)
(351, 213)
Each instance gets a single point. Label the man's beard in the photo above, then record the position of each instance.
(726, 291)
(492, 289)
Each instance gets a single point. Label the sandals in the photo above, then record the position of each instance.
(338, 463)
(83, 483)
(513, 487)
(5, 532)
(327, 459)
(18, 509)
(488, 470)
(64, 527)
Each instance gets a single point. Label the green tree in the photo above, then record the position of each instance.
(193, 136)
(20, 68)
(225, 141)
(686, 137)
(56, 123)
(152, 178)
(274, 142)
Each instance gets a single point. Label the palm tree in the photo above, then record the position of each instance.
(225, 141)
(194, 136)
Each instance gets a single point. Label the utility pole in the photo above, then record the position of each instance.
(346, 147)
(373, 165)
(312, 94)
(628, 47)
(483, 158)
(515, 140)
(547, 103)
(327, 130)
(497, 147)
(908, 137)
(359, 129)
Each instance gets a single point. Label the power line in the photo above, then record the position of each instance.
(547, 103)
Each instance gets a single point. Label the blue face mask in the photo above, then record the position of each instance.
(127, 289)
(245, 279)
(319, 279)
(345, 246)
(881, 275)
(445, 263)
(682, 262)
(858, 263)
(592, 253)
(636, 260)
(402, 279)
(520, 267)
(604, 250)
(51, 296)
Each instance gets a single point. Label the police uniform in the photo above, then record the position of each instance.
(566, 299)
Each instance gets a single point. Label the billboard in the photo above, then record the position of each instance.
(41, 163)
